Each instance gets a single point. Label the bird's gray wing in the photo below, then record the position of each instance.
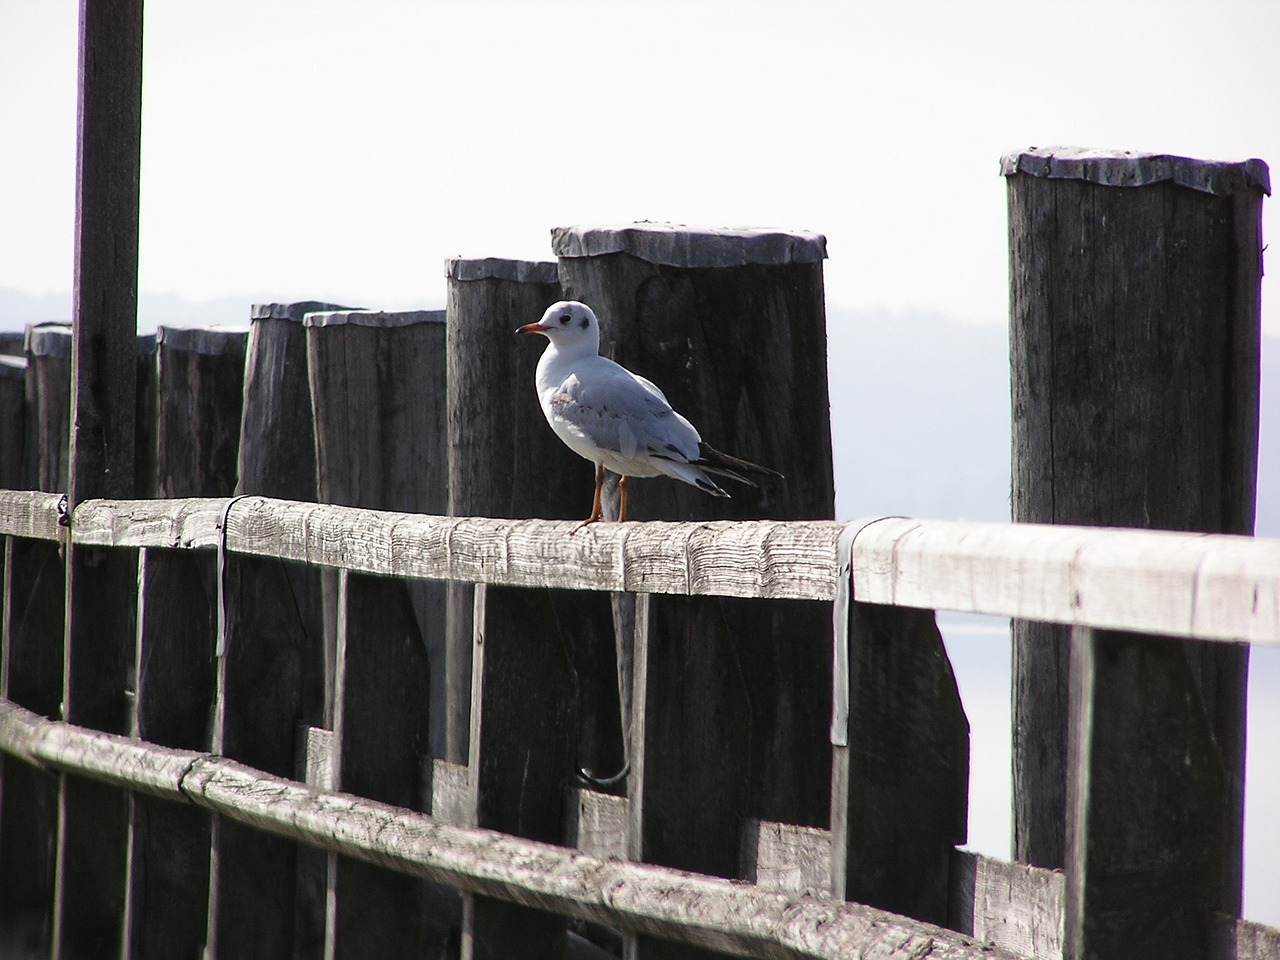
(622, 413)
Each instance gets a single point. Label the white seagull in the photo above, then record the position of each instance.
(619, 421)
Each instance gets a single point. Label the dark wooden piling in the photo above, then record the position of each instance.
(101, 584)
(378, 400)
(199, 390)
(731, 326)
(1134, 343)
(381, 734)
(538, 657)
(13, 420)
(48, 391)
(278, 459)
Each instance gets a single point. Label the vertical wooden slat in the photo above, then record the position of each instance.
(48, 393)
(278, 459)
(261, 652)
(1145, 851)
(900, 788)
(31, 629)
(380, 736)
(200, 375)
(93, 823)
(1134, 347)
(690, 725)
(521, 756)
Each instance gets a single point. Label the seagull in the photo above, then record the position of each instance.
(616, 419)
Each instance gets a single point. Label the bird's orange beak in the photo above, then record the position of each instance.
(531, 328)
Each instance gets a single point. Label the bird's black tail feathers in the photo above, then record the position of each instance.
(722, 464)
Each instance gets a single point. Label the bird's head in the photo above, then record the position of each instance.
(567, 324)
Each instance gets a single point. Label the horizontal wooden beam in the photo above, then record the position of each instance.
(1206, 586)
(688, 908)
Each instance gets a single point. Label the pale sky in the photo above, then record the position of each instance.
(341, 150)
(314, 149)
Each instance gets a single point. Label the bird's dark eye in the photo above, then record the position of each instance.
(565, 318)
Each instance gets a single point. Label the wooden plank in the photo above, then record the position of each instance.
(1147, 794)
(381, 732)
(30, 515)
(705, 911)
(596, 823)
(521, 756)
(1212, 587)
(1014, 906)
(900, 788)
(786, 858)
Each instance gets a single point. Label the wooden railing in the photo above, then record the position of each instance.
(1217, 588)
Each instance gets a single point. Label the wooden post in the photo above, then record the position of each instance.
(101, 584)
(200, 379)
(505, 462)
(731, 326)
(31, 632)
(13, 420)
(278, 459)
(521, 759)
(48, 392)
(380, 736)
(1134, 347)
(378, 399)
(900, 788)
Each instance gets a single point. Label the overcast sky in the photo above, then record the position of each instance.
(341, 150)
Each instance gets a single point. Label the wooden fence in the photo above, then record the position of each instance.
(390, 876)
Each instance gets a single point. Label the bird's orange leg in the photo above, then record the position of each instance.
(597, 514)
(622, 503)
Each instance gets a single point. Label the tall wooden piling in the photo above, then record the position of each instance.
(731, 326)
(377, 384)
(537, 658)
(101, 584)
(1134, 342)
(199, 390)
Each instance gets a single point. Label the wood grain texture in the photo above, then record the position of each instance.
(703, 911)
(1207, 586)
(48, 394)
(786, 858)
(1014, 906)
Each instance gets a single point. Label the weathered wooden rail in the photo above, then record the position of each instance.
(1208, 587)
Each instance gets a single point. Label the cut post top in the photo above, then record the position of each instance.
(48, 340)
(208, 341)
(1129, 168)
(292, 311)
(495, 268)
(676, 245)
(372, 318)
